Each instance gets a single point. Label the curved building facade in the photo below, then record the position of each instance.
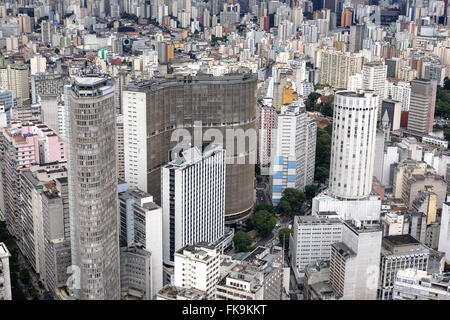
(154, 109)
(353, 144)
(93, 189)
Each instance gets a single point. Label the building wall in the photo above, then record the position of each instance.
(93, 202)
(353, 144)
(218, 102)
(444, 234)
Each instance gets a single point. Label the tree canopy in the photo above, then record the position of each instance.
(267, 207)
(323, 153)
(264, 222)
(291, 202)
(442, 108)
(242, 240)
(310, 191)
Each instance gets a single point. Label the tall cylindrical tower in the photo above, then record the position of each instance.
(93, 189)
(353, 144)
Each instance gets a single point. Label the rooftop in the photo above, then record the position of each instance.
(4, 253)
(343, 250)
(399, 240)
(356, 94)
(174, 292)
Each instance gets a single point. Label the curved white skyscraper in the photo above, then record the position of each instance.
(353, 144)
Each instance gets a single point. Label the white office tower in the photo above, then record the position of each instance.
(444, 234)
(197, 267)
(374, 78)
(355, 262)
(353, 144)
(193, 199)
(412, 284)
(92, 179)
(294, 150)
(312, 239)
(352, 159)
(5, 279)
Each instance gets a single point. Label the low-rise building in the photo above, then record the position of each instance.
(397, 253)
(197, 267)
(135, 273)
(412, 284)
(170, 292)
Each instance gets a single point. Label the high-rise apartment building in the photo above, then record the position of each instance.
(193, 199)
(294, 150)
(93, 188)
(24, 144)
(120, 148)
(374, 78)
(38, 64)
(422, 103)
(15, 79)
(157, 109)
(336, 66)
(401, 91)
(268, 119)
(357, 35)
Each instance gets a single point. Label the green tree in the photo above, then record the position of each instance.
(310, 103)
(291, 201)
(264, 222)
(326, 109)
(310, 191)
(323, 153)
(321, 174)
(24, 276)
(266, 207)
(329, 129)
(242, 240)
(283, 235)
(33, 293)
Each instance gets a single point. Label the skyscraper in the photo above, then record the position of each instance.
(353, 144)
(154, 110)
(93, 188)
(374, 78)
(421, 107)
(357, 34)
(193, 199)
(294, 150)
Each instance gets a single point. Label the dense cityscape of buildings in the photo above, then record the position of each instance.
(224, 150)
